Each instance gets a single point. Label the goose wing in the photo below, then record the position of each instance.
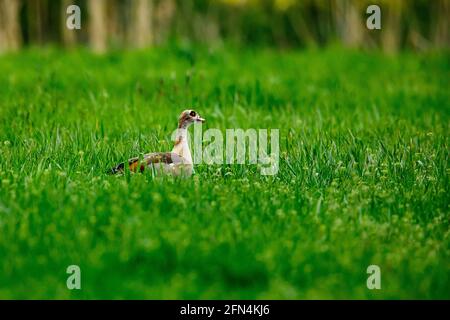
(134, 164)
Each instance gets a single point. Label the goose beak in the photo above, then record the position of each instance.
(200, 119)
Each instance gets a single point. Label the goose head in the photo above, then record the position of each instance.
(188, 117)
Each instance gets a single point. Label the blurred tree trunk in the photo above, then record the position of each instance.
(391, 26)
(97, 25)
(441, 26)
(164, 13)
(36, 16)
(114, 23)
(68, 36)
(141, 29)
(10, 32)
(349, 25)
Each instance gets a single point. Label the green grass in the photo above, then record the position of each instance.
(363, 177)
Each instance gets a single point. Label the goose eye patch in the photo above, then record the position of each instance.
(192, 114)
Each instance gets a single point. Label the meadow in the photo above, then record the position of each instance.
(363, 177)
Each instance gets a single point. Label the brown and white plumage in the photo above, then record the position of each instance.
(176, 162)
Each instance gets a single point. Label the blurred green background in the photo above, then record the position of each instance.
(414, 24)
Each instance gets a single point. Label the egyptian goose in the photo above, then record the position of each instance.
(177, 162)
